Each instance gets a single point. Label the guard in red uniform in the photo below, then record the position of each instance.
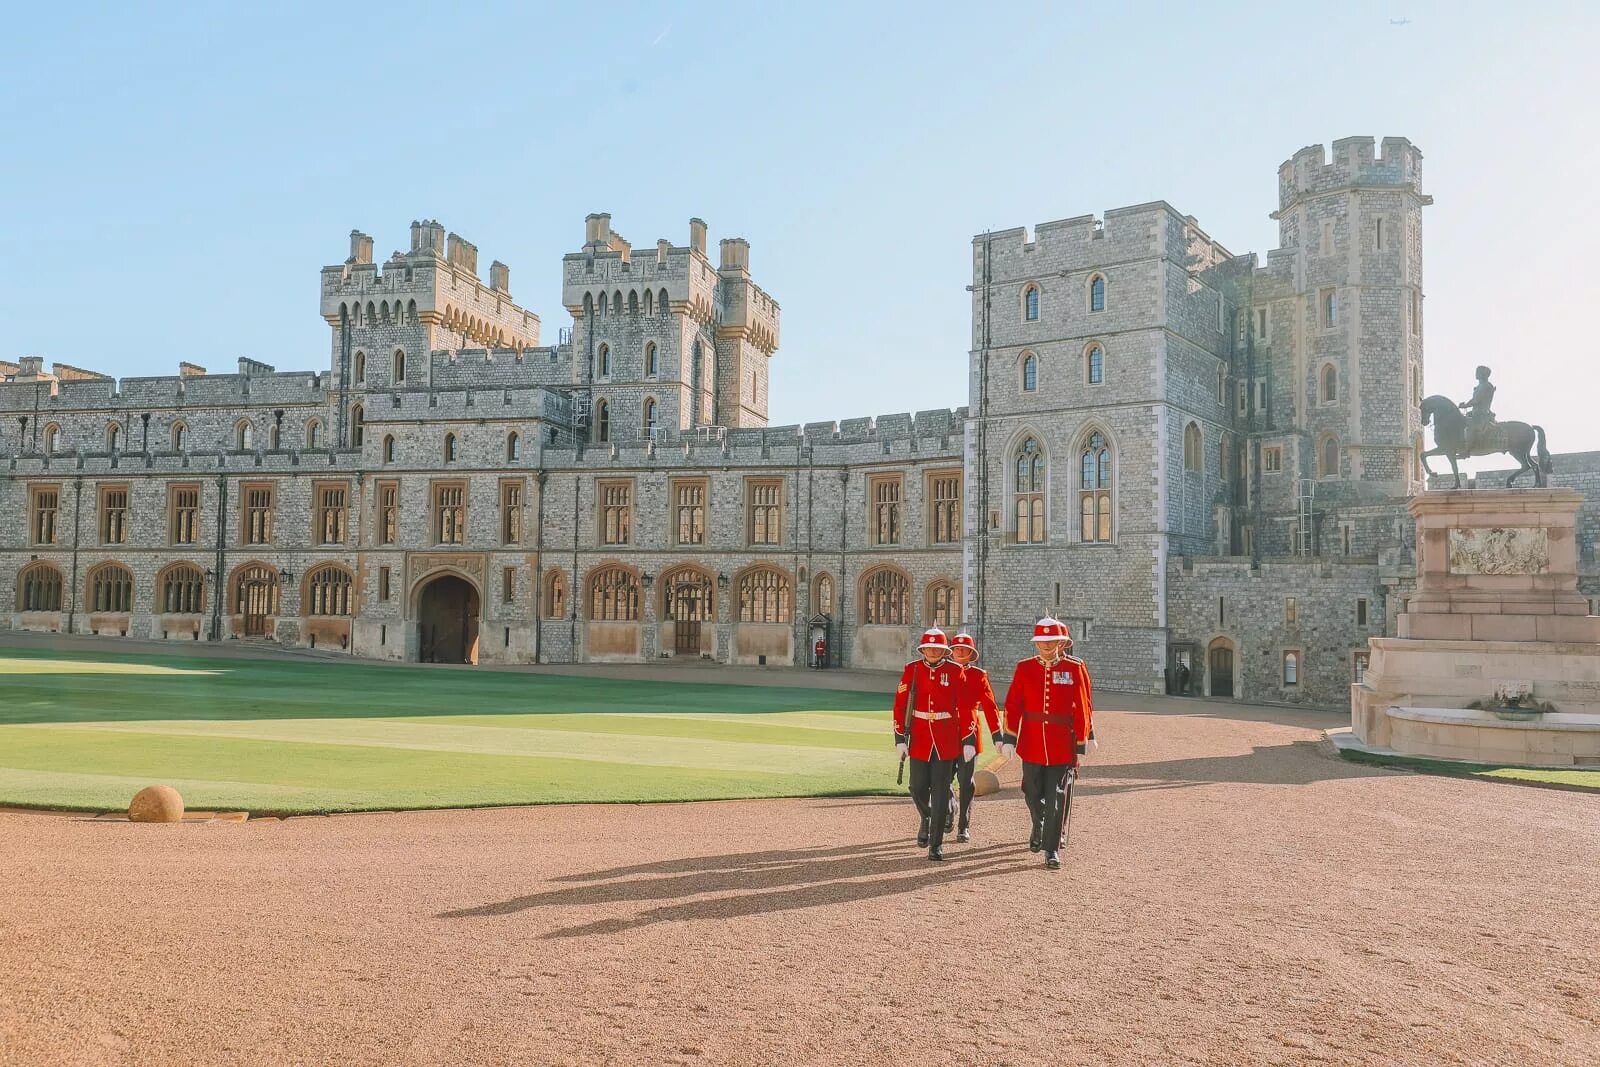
(929, 726)
(976, 697)
(1049, 723)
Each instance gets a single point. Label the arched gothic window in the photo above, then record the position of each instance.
(449, 448)
(398, 367)
(180, 434)
(1030, 484)
(824, 594)
(111, 589)
(52, 439)
(603, 361)
(388, 448)
(361, 367)
(1094, 362)
(885, 598)
(649, 302)
(313, 433)
(39, 588)
(328, 591)
(1030, 303)
(1291, 668)
(1328, 457)
(113, 437)
(358, 425)
(1330, 384)
(686, 596)
(183, 590)
(764, 596)
(513, 447)
(602, 421)
(613, 595)
(1097, 293)
(944, 604)
(650, 369)
(1030, 372)
(1191, 447)
(650, 417)
(1094, 489)
(555, 595)
(243, 436)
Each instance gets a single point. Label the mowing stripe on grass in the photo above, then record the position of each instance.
(294, 736)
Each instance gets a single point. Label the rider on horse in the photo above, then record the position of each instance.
(1479, 417)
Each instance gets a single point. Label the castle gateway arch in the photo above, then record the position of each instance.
(449, 610)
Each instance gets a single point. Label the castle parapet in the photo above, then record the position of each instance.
(1356, 161)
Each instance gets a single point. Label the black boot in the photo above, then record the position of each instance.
(964, 834)
(1036, 842)
(922, 834)
(950, 816)
(936, 853)
(1052, 860)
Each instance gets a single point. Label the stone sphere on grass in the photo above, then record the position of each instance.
(156, 803)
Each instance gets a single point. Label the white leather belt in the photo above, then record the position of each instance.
(933, 715)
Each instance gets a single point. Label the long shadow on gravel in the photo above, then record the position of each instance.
(765, 882)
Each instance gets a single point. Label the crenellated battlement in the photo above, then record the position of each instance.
(1086, 242)
(432, 290)
(1356, 161)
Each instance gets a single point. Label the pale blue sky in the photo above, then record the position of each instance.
(173, 178)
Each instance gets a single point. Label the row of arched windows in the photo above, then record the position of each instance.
(652, 303)
(600, 427)
(761, 594)
(602, 361)
(181, 588)
(1094, 367)
(1094, 293)
(397, 367)
(380, 313)
(1030, 483)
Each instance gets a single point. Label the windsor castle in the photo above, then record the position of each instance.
(1199, 460)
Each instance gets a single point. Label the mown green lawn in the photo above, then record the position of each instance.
(87, 731)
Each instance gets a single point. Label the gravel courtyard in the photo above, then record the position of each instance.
(1232, 895)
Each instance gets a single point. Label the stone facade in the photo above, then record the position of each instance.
(1164, 443)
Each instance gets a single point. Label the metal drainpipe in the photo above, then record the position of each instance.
(77, 525)
(538, 552)
(572, 587)
(219, 584)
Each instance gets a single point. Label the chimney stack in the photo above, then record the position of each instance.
(500, 277)
(735, 254)
(361, 246)
(697, 235)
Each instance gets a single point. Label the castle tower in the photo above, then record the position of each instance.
(664, 340)
(385, 324)
(1353, 332)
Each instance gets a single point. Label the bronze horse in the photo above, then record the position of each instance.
(1516, 438)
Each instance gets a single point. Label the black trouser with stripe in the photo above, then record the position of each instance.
(1044, 785)
(964, 771)
(930, 789)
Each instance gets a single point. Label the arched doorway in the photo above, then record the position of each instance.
(1219, 661)
(447, 621)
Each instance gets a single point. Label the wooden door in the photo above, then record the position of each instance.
(1221, 671)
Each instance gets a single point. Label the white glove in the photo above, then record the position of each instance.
(969, 753)
(1008, 750)
(1092, 747)
(902, 749)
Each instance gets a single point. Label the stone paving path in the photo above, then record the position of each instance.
(1232, 895)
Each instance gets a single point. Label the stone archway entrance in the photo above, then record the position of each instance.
(1220, 662)
(448, 609)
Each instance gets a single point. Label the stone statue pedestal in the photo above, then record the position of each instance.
(1497, 659)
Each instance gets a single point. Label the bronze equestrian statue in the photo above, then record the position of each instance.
(1479, 433)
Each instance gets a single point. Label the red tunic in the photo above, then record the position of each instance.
(1050, 710)
(977, 695)
(938, 728)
